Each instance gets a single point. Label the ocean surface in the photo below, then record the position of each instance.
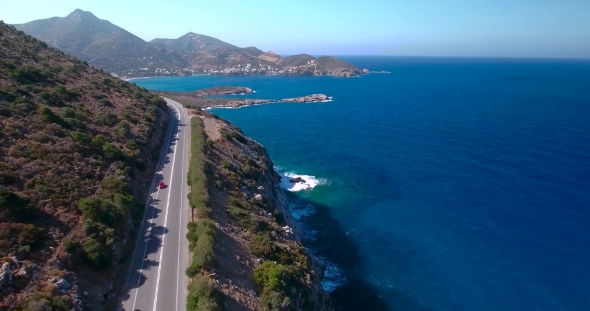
(449, 184)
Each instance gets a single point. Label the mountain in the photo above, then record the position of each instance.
(107, 46)
(101, 43)
(193, 42)
(85, 36)
(76, 153)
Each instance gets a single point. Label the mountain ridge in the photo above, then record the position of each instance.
(107, 46)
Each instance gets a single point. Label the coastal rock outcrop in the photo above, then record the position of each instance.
(314, 98)
(297, 180)
(200, 98)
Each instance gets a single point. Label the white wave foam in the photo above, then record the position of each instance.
(308, 183)
(333, 277)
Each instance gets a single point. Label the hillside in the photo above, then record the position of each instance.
(193, 42)
(77, 149)
(101, 43)
(245, 240)
(296, 60)
(109, 47)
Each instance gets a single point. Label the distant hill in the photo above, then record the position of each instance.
(192, 42)
(77, 149)
(107, 46)
(297, 60)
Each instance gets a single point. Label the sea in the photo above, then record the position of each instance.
(447, 184)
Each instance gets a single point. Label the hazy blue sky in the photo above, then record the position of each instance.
(522, 28)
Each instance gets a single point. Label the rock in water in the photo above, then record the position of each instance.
(297, 180)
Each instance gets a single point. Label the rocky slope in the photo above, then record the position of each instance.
(258, 261)
(107, 46)
(76, 152)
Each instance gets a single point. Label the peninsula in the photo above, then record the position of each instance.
(201, 98)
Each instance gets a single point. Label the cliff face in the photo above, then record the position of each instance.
(259, 262)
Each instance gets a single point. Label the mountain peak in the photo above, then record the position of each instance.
(77, 15)
(79, 12)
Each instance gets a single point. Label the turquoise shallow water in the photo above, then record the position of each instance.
(450, 184)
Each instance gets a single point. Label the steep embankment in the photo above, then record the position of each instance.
(258, 262)
(77, 149)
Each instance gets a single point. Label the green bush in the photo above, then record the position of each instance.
(269, 276)
(260, 246)
(67, 112)
(274, 301)
(98, 141)
(75, 123)
(100, 210)
(202, 295)
(96, 254)
(107, 119)
(132, 144)
(111, 151)
(80, 137)
(71, 246)
(10, 201)
(49, 116)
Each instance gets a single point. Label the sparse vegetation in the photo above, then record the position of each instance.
(285, 280)
(71, 172)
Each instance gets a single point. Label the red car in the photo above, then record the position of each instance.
(162, 186)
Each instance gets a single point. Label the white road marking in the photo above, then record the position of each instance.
(180, 215)
(155, 307)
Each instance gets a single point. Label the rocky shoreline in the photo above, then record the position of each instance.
(201, 98)
(314, 98)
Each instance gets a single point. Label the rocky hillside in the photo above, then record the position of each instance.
(77, 151)
(109, 47)
(193, 42)
(258, 262)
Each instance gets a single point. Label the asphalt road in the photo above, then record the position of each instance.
(157, 280)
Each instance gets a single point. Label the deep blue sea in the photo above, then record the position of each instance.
(449, 184)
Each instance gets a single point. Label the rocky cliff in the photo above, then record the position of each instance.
(259, 263)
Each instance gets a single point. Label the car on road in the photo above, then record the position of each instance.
(162, 186)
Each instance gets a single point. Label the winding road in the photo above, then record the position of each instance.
(157, 280)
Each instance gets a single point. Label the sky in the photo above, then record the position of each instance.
(479, 28)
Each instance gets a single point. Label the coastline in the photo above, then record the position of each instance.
(248, 75)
